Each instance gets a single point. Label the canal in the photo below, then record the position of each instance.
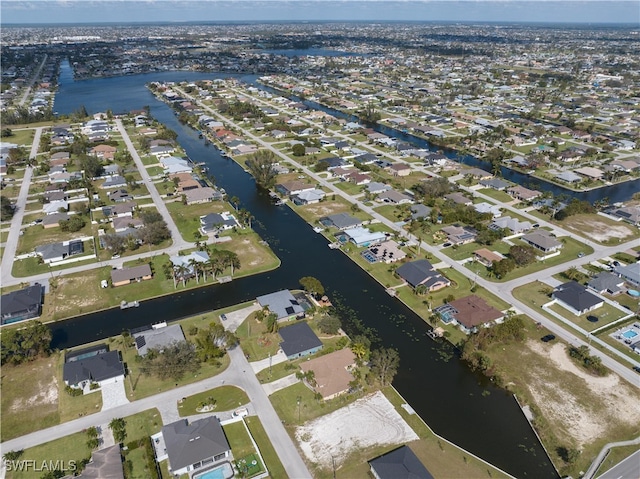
(456, 403)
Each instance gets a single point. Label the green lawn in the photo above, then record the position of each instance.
(226, 398)
(255, 340)
(604, 315)
(37, 235)
(239, 439)
(187, 217)
(21, 137)
(31, 266)
(139, 427)
(349, 187)
(271, 459)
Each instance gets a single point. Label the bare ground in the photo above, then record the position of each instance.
(367, 422)
(600, 231)
(323, 209)
(604, 404)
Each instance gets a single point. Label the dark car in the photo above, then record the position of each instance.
(223, 317)
(636, 369)
(547, 338)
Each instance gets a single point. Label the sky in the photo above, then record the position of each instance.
(119, 11)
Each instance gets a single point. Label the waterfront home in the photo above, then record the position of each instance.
(469, 313)
(185, 264)
(422, 273)
(95, 364)
(299, 340)
(308, 197)
(399, 463)
(590, 172)
(630, 214)
(362, 236)
(293, 188)
(495, 183)
(202, 195)
(542, 240)
(387, 252)
(523, 194)
(195, 445)
(477, 173)
(342, 221)
(575, 297)
(25, 303)
(213, 223)
(283, 304)
(566, 176)
(157, 337)
(120, 277)
(331, 373)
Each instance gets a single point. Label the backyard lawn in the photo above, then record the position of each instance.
(225, 398)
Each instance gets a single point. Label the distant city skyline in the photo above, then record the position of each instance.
(150, 11)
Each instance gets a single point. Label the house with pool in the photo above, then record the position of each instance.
(197, 448)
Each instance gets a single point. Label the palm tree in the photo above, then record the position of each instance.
(195, 265)
(235, 201)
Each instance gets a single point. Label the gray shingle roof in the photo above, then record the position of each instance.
(400, 463)
(95, 368)
(576, 296)
(282, 303)
(187, 443)
(298, 338)
(158, 338)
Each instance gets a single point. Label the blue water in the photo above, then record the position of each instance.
(629, 334)
(221, 472)
(633, 292)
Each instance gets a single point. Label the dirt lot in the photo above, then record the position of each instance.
(604, 404)
(597, 228)
(326, 208)
(369, 421)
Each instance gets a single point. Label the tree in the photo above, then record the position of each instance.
(13, 455)
(503, 267)
(7, 210)
(235, 202)
(173, 362)
(522, 255)
(25, 344)
(329, 324)
(261, 165)
(73, 224)
(298, 149)
(384, 364)
(114, 243)
(271, 323)
(312, 285)
(91, 165)
(119, 428)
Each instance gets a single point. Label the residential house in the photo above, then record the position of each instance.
(523, 194)
(401, 463)
(53, 220)
(120, 277)
(495, 183)
(422, 273)
(488, 208)
(202, 195)
(213, 223)
(387, 252)
(374, 187)
(395, 197)
(25, 303)
(630, 273)
(590, 172)
(121, 209)
(105, 463)
(420, 212)
(184, 264)
(52, 196)
(118, 196)
(476, 173)
(606, 282)
(157, 337)
(542, 240)
(458, 198)
(630, 214)
(293, 188)
(568, 177)
(299, 340)
(106, 152)
(95, 364)
(308, 197)
(469, 313)
(457, 234)
(515, 226)
(400, 169)
(486, 257)
(114, 182)
(55, 207)
(121, 223)
(575, 297)
(331, 372)
(342, 221)
(283, 304)
(54, 252)
(362, 236)
(194, 445)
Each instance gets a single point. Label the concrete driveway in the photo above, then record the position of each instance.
(113, 395)
(235, 318)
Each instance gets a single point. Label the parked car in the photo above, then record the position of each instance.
(547, 338)
(223, 317)
(242, 412)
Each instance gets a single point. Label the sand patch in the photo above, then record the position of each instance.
(47, 394)
(367, 422)
(325, 208)
(602, 405)
(600, 231)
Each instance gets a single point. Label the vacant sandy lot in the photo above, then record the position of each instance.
(324, 209)
(600, 230)
(604, 403)
(369, 421)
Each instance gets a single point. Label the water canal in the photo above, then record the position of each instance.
(456, 403)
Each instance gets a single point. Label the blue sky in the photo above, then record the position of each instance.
(92, 11)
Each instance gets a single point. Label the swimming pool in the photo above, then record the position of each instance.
(224, 471)
(630, 334)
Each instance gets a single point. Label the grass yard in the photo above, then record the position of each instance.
(271, 459)
(69, 450)
(31, 266)
(21, 137)
(227, 398)
(37, 235)
(500, 196)
(464, 251)
(592, 320)
(139, 427)
(348, 187)
(392, 212)
(239, 439)
(312, 213)
(255, 341)
(187, 217)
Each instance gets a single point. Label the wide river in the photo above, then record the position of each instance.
(457, 403)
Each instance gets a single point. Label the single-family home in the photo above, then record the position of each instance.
(184, 264)
(420, 212)
(120, 277)
(458, 198)
(387, 252)
(116, 181)
(54, 252)
(202, 195)
(495, 183)
(457, 234)
(331, 372)
(53, 220)
(362, 236)
(283, 304)
(422, 273)
(374, 187)
(630, 272)
(401, 463)
(308, 197)
(630, 214)
(118, 196)
(395, 197)
(542, 240)
(157, 337)
(191, 446)
(486, 257)
(523, 194)
(299, 340)
(575, 297)
(25, 303)
(213, 223)
(55, 207)
(95, 364)
(514, 225)
(606, 282)
(400, 169)
(342, 221)
(488, 208)
(293, 188)
(469, 313)
(104, 463)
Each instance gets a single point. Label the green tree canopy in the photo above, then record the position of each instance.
(261, 166)
(312, 285)
(384, 364)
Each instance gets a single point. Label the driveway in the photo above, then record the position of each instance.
(235, 318)
(277, 358)
(285, 382)
(113, 395)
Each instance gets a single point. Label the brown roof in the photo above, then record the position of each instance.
(488, 255)
(473, 311)
(124, 274)
(330, 370)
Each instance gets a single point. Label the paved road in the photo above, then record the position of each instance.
(35, 76)
(239, 373)
(501, 290)
(11, 244)
(624, 469)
